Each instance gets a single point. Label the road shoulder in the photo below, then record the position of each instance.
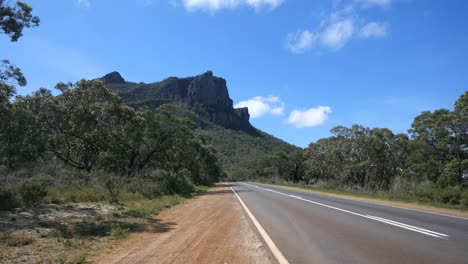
(211, 228)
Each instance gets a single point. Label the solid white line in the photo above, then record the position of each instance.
(415, 227)
(274, 250)
(404, 226)
(392, 206)
(375, 218)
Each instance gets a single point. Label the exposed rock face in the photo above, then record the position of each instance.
(113, 77)
(209, 91)
(205, 92)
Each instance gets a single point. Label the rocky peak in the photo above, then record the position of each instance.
(205, 89)
(113, 77)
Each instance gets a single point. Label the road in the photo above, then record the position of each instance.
(313, 228)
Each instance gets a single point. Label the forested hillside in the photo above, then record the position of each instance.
(87, 136)
(205, 100)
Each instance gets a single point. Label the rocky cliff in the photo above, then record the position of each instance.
(206, 93)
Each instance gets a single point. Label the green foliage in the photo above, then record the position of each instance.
(78, 259)
(114, 186)
(144, 208)
(178, 183)
(74, 194)
(464, 199)
(89, 128)
(14, 18)
(119, 232)
(449, 195)
(430, 166)
(7, 200)
(9, 75)
(238, 151)
(32, 192)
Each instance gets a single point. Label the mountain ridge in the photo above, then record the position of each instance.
(206, 91)
(205, 100)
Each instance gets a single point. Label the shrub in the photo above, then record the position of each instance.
(74, 194)
(114, 186)
(425, 192)
(464, 199)
(145, 208)
(142, 208)
(32, 192)
(149, 188)
(7, 200)
(449, 195)
(178, 183)
(79, 259)
(119, 232)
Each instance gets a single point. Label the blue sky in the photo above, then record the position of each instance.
(302, 66)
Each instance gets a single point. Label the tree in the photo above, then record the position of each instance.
(439, 145)
(14, 18)
(80, 121)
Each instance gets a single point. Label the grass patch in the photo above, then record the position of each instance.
(119, 232)
(200, 189)
(147, 207)
(13, 240)
(79, 258)
(75, 194)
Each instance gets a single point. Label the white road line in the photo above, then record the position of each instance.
(274, 250)
(394, 206)
(408, 227)
(375, 218)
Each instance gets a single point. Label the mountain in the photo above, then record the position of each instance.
(205, 98)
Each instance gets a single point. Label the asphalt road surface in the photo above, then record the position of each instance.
(312, 228)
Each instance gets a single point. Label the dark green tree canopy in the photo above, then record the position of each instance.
(14, 18)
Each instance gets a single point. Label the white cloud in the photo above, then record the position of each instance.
(216, 5)
(338, 27)
(309, 117)
(83, 3)
(260, 106)
(374, 30)
(375, 3)
(337, 34)
(300, 41)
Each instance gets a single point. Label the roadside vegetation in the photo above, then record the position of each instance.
(428, 165)
(80, 169)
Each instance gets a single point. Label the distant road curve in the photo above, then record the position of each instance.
(308, 227)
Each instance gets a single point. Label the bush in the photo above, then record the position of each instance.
(464, 199)
(8, 200)
(146, 208)
(32, 193)
(425, 192)
(178, 183)
(449, 195)
(74, 194)
(142, 208)
(114, 186)
(149, 188)
(119, 232)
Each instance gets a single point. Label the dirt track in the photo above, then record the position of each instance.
(208, 229)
